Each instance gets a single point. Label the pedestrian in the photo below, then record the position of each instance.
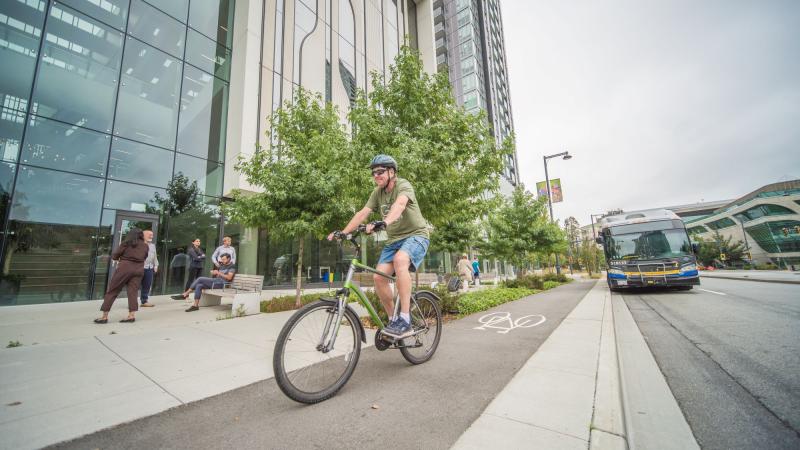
(129, 256)
(464, 269)
(198, 259)
(178, 267)
(476, 271)
(219, 277)
(150, 268)
(224, 249)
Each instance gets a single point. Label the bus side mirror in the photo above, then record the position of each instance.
(695, 247)
(599, 240)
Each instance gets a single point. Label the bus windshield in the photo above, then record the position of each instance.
(662, 239)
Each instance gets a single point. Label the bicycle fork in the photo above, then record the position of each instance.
(332, 324)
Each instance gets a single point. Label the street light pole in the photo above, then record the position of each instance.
(564, 155)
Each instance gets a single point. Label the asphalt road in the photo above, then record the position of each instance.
(427, 406)
(730, 352)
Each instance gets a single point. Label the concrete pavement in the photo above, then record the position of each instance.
(766, 276)
(79, 379)
(573, 392)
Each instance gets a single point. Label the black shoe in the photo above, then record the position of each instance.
(100, 320)
(192, 308)
(131, 320)
(177, 297)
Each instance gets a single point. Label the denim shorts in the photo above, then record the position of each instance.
(414, 246)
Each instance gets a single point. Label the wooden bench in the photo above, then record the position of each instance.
(245, 291)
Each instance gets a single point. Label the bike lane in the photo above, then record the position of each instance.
(388, 403)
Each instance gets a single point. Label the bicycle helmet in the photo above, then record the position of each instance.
(383, 161)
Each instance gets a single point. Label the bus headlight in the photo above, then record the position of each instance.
(689, 268)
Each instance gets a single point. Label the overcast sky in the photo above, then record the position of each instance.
(661, 102)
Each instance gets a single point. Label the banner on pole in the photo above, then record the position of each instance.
(555, 189)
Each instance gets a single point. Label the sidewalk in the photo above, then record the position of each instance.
(586, 387)
(71, 377)
(767, 276)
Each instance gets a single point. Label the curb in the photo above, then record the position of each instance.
(651, 413)
(762, 280)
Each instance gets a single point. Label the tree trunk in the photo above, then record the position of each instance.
(297, 303)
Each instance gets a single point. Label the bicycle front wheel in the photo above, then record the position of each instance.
(307, 368)
(426, 321)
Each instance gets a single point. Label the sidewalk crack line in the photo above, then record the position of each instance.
(139, 370)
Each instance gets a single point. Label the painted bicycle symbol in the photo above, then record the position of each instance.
(502, 321)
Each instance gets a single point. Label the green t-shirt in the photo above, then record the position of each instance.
(411, 222)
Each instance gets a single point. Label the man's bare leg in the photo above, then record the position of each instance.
(401, 263)
(383, 289)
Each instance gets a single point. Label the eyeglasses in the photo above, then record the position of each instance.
(378, 172)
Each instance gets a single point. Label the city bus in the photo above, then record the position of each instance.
(649, 248)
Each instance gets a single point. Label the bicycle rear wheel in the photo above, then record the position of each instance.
(305, 370)
(427, 320)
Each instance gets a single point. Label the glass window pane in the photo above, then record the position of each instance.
(11, 123)
(133, 197)
(44, 195)
(200, 220)
(204, 111)
(156, 28)
(208, 174)
(112, 12)
(78, 72)
(178, 9)
(20, 31)
(6, 184)
(140, 163)
(65, 147)
(208, 55)
(147, 109)
(214, 18)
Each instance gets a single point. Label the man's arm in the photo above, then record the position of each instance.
(357, 220)
(397, 209)
(228, 276)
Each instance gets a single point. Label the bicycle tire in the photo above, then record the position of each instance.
(304, 347)
(425, 311)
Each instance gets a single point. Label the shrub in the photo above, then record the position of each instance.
(286, 302)
(482, 300)
(559, 277)
(525, 281)
(551, 284)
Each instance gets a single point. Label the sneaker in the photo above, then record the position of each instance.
(399, 329)
(192, 308)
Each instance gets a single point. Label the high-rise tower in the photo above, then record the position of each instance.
(470, 48)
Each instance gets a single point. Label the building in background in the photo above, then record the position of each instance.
(470, 47)
(122, 113)
(767, 220)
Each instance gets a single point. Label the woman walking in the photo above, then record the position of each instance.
(130, 270)
(465, 272)
(198, 259)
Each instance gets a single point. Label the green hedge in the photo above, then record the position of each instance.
(482, 300)
(551, 284)
(286, 302)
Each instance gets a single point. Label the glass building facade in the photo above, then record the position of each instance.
(767, 221)
(113, 116)
(470, 47)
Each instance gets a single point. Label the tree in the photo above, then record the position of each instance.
(572, 231)
(590, 256)
(520, 228)
(448, 154)
(306, 176)
(710, 250)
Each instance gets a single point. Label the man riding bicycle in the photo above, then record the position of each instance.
(408, 238)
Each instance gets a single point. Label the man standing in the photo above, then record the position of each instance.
(150, 269)
(394, 199)
(224, 249)
(476, 271)
(218, 278)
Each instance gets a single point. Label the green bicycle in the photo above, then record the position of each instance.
(318, 348)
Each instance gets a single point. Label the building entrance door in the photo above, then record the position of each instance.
(123, 223)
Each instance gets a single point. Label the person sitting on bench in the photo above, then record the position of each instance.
(224, 274)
